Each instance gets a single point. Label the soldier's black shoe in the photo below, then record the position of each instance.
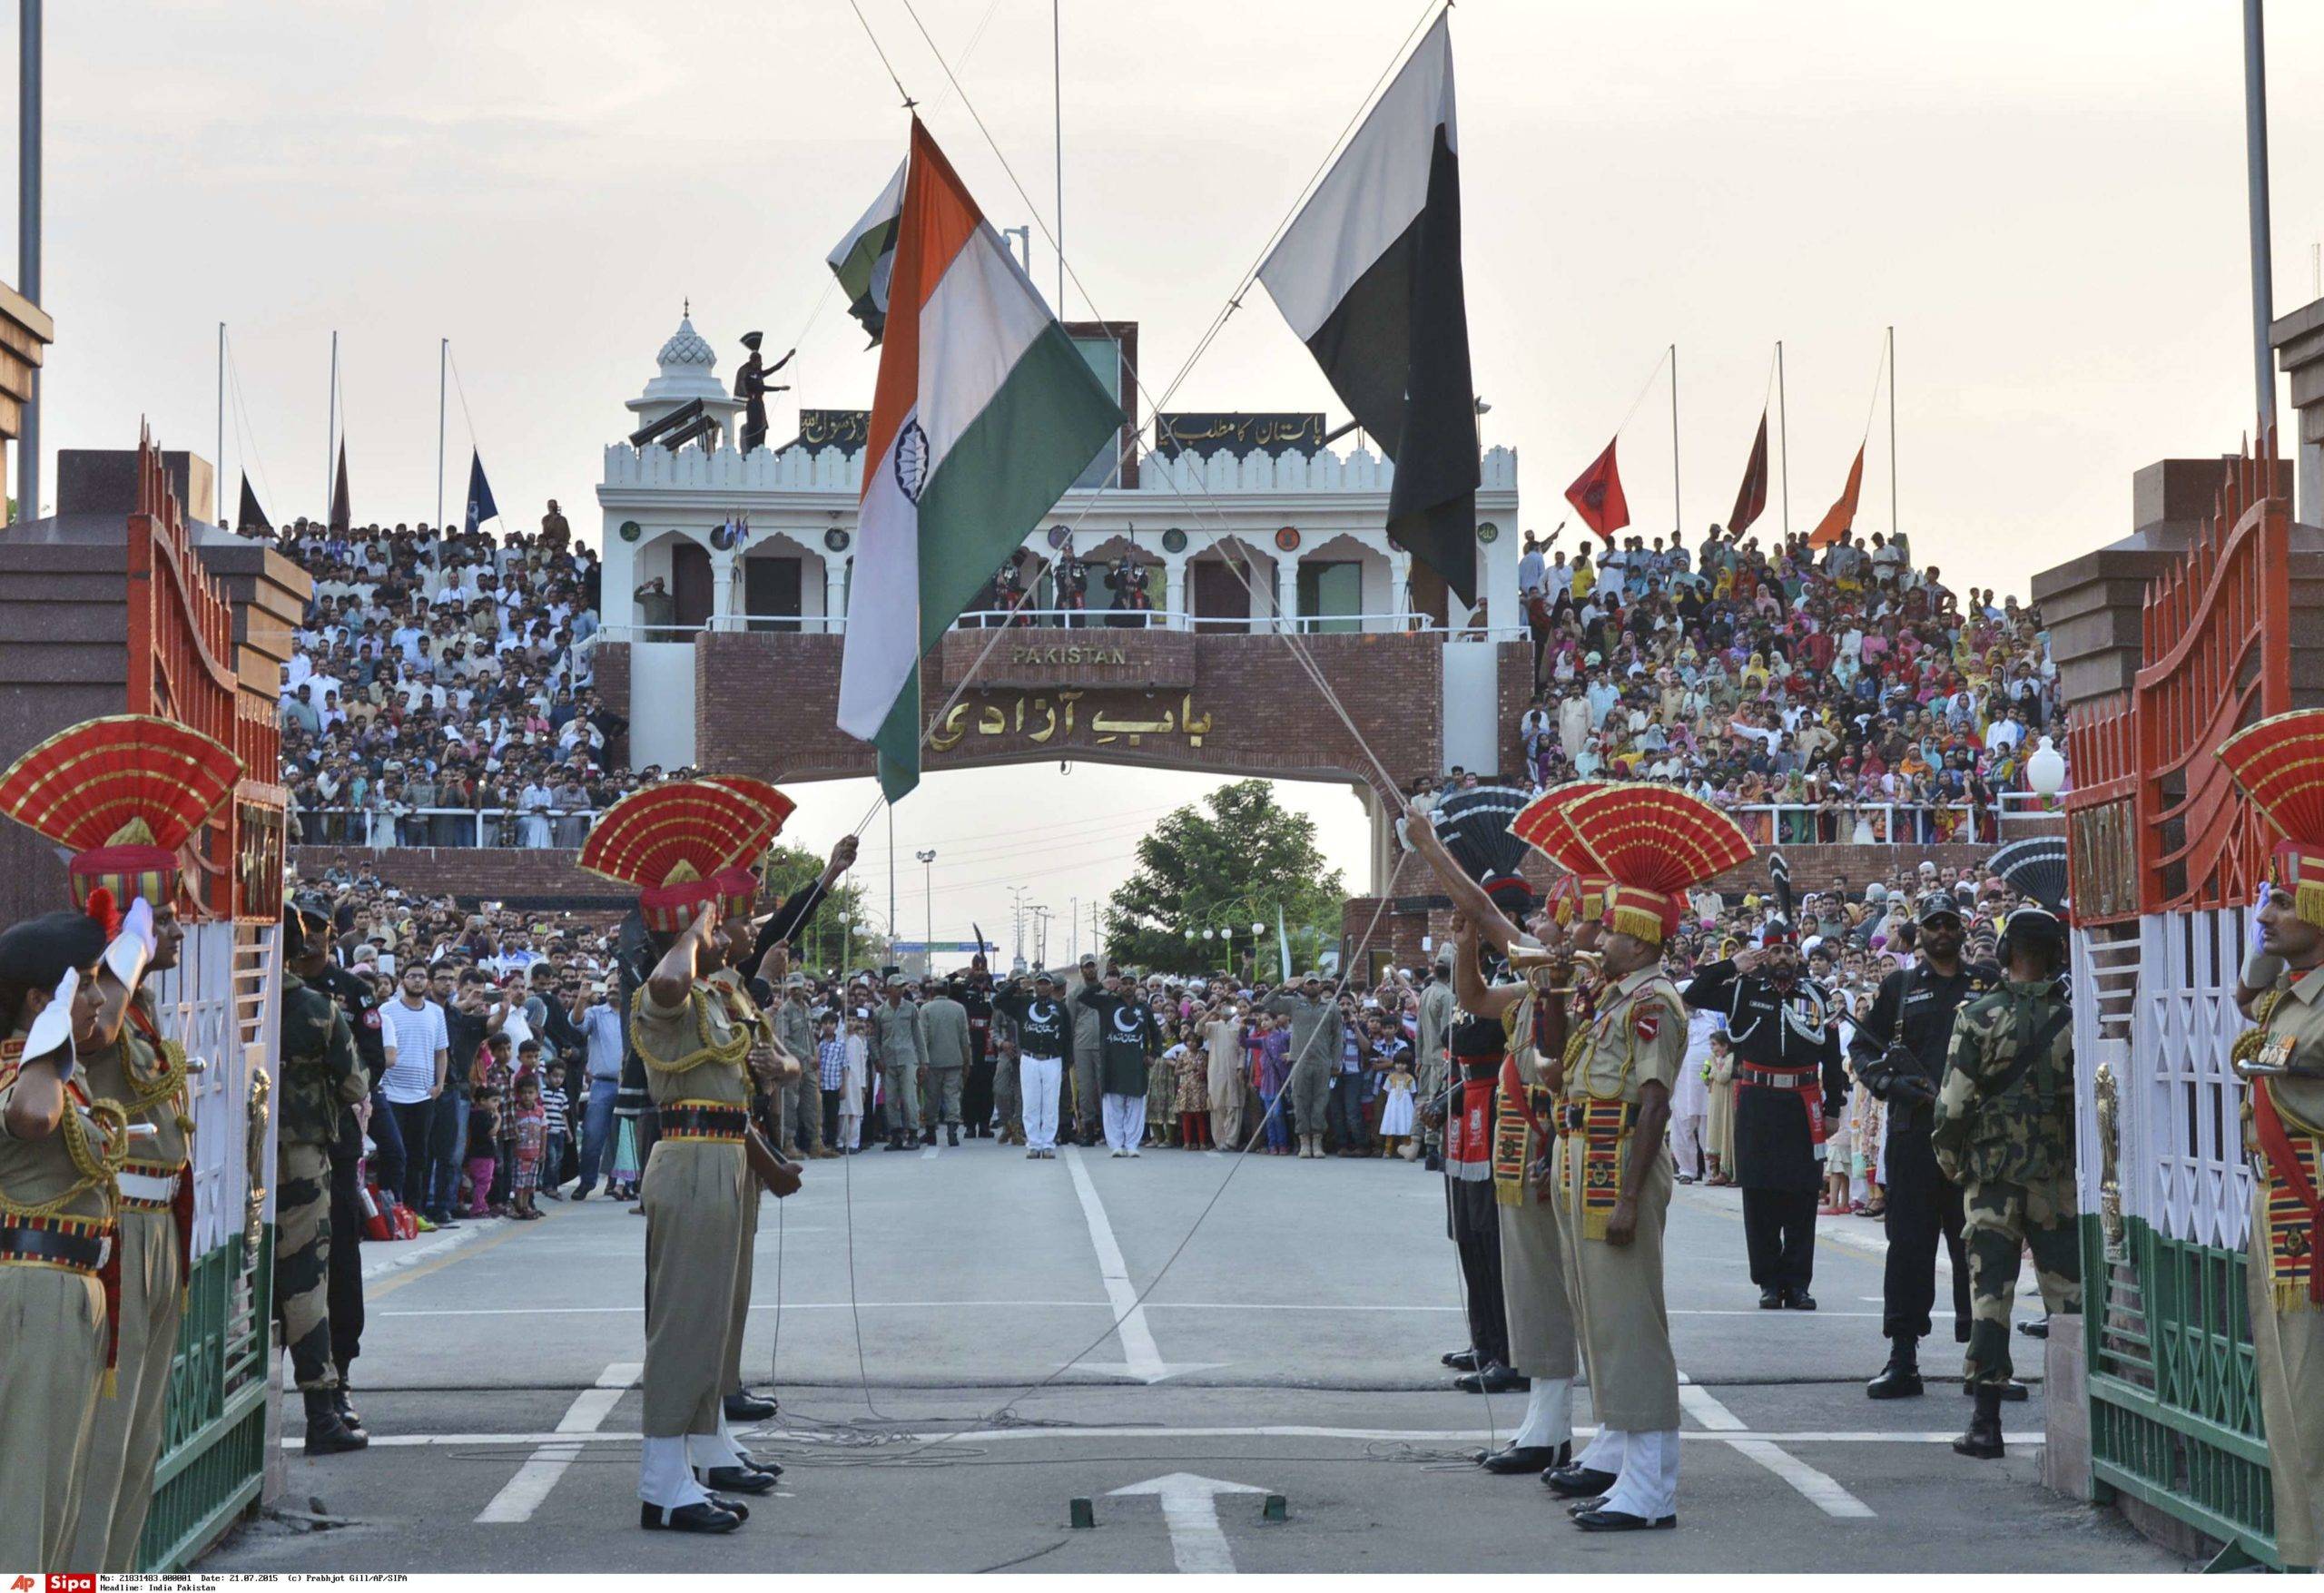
(1492, 1379)
(1604, 1520)
(896, 1143)
(1460, 1360)
(1771, 1299)
(1798, 1300)
(745, 1406)
(1534, 1458)
(1901, 1378)
(344, 1408)
(1982, 1440)
(326, 1434)
(1432, 1163)
(732, 1506)
(1578, 1482)
(738, 1480)
(2012, 1393)
(700, 1517)
(1581, 1506)
(953, 1134)
(1960, 1333)
(2039, 1328)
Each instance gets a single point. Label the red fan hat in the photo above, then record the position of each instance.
(673, 841)
(2279, 764)
(125, 794)
(1657, 843)
(738, 887)
(1581, 895)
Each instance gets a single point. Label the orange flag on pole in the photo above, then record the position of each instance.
(1840, 518)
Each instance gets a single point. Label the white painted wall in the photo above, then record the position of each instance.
(1472, 705)
(661, 703)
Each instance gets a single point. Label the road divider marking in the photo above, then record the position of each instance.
(529, 1489)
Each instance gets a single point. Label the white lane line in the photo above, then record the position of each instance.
(928, 1153)
(1253, 1305)
(1815, 1486)
(529, 1489)
(1140, 1354)
(809, 1440)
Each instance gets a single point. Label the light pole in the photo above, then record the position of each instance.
(928, 903)
(1017, 925)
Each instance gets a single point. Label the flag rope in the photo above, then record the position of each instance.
(246, 431)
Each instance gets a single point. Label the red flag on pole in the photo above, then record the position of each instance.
(1751, 497)
(1840, 518)
(1597, 495)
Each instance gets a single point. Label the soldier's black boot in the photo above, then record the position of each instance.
(1901, 1378)
(349, 1417)
(326, 1434)
(1982, 1440)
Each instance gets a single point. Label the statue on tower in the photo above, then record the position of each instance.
(752, 386)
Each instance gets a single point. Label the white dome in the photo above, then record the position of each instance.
(686, 347)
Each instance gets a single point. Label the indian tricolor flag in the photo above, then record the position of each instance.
(984, 414)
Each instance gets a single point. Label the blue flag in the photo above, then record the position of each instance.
(480, 505)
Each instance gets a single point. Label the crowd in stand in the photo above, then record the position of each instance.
(1834, 694)
(440, 689)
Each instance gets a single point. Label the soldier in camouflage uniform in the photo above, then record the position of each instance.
(2004, 1133)
(320, 1075)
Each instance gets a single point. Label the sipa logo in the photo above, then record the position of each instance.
(84, 1582)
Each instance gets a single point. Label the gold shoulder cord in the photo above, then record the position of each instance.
(168, 1081)
(731, 1054)
(97, 1164)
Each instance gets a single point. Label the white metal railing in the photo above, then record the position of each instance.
(1868, 823)
(1095, 617)
(378, 829)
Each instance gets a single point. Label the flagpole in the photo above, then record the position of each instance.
(1892, 433)
(443, 348)
(1783, 428)
(1677, 516)
(331, 433)
(1056, 105)
(217, 485)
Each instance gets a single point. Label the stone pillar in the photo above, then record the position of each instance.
(723, 568)
(1400, 575)
(1286, 589)
(1175, 595)
(835, 570)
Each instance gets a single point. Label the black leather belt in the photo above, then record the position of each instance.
(716, 1123)
(1777, 1077)
(83, 1253)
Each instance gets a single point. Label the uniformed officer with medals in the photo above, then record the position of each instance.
(122, 794)
(59, 1154)
(2279, 764)
(701, 1057)
(1790, 1088)
(1613, 1172)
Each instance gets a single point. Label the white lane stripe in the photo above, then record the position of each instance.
(1048, 1435)
(1818, 1489)
(1016, 1304)
(1700, 1403)
(529, 1489)
(1140, 1354)
(928, 1153)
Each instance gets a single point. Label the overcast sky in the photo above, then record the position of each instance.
(2047, 201)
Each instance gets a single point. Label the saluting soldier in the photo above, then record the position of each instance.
(2281, 1062)
(708, 1160)
(2004, 1133)
(1613, 1172)
(123, 793)
(1790, 1086)
(59, 1153)
(320, 1075)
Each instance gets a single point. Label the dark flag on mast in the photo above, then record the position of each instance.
(340, 519)
(1368, 276)
(480, 505)
(1751, 497)
(1597, 495)
(249, 514)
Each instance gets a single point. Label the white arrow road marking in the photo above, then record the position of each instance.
(1190, 1511)
(1141, 1357)
(1819, 1489)
(526, 1491)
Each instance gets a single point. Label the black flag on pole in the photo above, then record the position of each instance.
(342, 518)
(480, 505)
(249, 516)
(1751, 497)
(1368, 276)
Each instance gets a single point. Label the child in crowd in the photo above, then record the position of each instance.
(529, 1140)
(1192, 1063)
(1162, 1091)
(1720, 1068)
(850, 1087)
(1396, 1115)
(498, 1067)
(481, 1150)
(553, 1103)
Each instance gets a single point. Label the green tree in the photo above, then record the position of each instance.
(839, 933)
(1224, 864)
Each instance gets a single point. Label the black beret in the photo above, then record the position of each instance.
(37, 952)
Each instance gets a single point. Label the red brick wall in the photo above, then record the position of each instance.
(767, 706)
(472, 874)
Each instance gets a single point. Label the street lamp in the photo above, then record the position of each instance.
(928, 903)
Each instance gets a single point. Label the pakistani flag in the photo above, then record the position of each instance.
(867, 256)
(1369, 275)
(983, 415)
(480, 505)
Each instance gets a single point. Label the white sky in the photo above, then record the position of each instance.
(2047, 201)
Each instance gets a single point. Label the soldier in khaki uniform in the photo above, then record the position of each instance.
(58, 1158)
(944, 1029)
(2281, 1062)
(123, 793)
(320, 1075)
(697, 1052)
(2004, 1131)
(1613, 1173)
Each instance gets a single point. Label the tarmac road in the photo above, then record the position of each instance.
(1290, 1347)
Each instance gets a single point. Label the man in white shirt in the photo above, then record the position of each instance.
(418, 1047)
